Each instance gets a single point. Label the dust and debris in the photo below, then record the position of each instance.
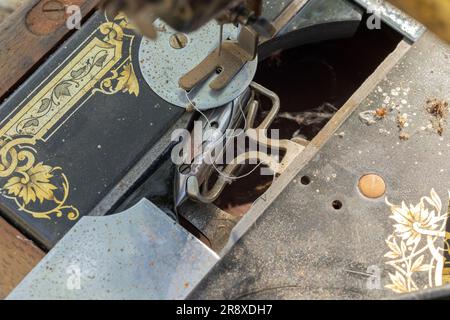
(371, 117)
(439, 110)
(404, 136)
(402, 121)
(381, 112)
(340, 134)
(395, 92)
(311, 117)
(368, 117)
(396, 101)
(161, 28)
(190, 108)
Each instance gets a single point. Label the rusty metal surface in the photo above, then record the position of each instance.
(304, 247)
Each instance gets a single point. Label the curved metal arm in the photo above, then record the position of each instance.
(259, 135)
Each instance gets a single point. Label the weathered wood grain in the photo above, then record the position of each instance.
(29, 34)
(18, 256)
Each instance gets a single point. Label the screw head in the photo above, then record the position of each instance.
(54, 10)
(372, 186)
(178, 41)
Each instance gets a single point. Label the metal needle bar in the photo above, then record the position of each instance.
(221, 39)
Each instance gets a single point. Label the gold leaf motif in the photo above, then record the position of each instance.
(75, 74)
(32, 185)
(62, 90)
(38, 189)
(100, 61)
(127, 81)
(45, 104)
(31, 123)
(123, 21)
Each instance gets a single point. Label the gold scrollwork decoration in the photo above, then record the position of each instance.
(104, 65)
(31, 184)
(120, 81)
(123, 78)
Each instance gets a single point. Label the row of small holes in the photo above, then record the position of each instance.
(337, 205)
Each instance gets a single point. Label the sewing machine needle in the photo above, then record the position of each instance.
(221, 39)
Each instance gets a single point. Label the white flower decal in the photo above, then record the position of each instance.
(412, 221)
(416, 232)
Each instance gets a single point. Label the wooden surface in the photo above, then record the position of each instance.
(18, 256)
(29, 34)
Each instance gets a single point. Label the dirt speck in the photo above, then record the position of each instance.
(439, 110)
(381, 112)
(402, 121)
(404, 136)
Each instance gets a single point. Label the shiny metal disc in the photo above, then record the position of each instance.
(165, 60)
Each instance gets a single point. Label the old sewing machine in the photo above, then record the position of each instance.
(128, 166)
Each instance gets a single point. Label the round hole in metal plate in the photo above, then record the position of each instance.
(305, 180)
(337, 205)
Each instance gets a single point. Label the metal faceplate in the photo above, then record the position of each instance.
(137, 254)
(162, 66)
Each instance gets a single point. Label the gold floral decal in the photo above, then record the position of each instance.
(29, 183)
(40, 189)
(123, 78)
(126, 81)
(416, 245)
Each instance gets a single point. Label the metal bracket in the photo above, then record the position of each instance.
(227, 60)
